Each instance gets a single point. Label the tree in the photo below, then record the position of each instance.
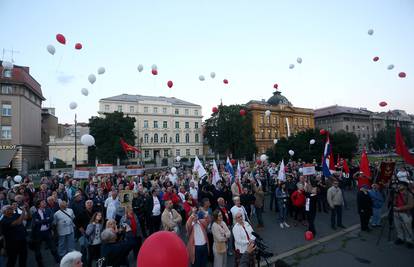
(385, 138)
(344, 144)
(228, 132)
(107, 132)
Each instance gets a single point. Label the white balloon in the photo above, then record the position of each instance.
(201, 78)
(7, 65)
(92, 78)
(73, 105)
(275, 141)
(267, 113)
(154, 67)
(140, 67)
(85, 91)
(213, 75)
(101, 70)
(51, 49)
(370, 31)
(390, 67)
(291, 66)
(17, 179)
(300, 170)
(178, 158)
(87, 140)
(173, 170)
(263, 157)
(312, 141)
(299, 60)
(291, 152)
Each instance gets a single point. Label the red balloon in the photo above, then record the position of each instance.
(375, 59)
(214, 109)
(242, 112)
(322, 131)
(154, 72)
(170, 84)
(225, 81)
(308, 235)
(163, 249)
(233, 161)
(383, 104)
(275, 86)
(258, 162)
(60, 38)
(78, 46)
(402, 74)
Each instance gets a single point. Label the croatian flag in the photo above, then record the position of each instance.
(229, 168)
(327, 158)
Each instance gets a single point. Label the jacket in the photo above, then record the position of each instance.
(37, 222)
(90, 231)
(116, 254)
(259, 195)
(168, 223)
(221, 232)
(334, 196)
(364, 203)
(126, 220)
(377, 199)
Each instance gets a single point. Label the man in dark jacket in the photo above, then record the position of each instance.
(116, 253)
(138, 206)
(364, 207)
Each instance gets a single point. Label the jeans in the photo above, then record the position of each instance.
(44, 236)
(14, 249)
(376, 216)
(66, 243)
(201, 256)
(259, 212)
(282, 211)
(336, 212)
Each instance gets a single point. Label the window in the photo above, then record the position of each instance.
(261, 119)
(186, 111)
(196, 138)
(262, 134)
(187, 152)
(177, 111)
(146, 153)
(177, 152)
(187, 138)
(296, 121)
(106, 107)
(155, 124)
(177, 125)
(164, 110)
(301, 122)
(306, 122)
(155, 109)
(155, 138)
(6, 110)
(196, 112)
(196, 125)
(177, 138)
(6, 89)
(145, 109)
(165, 152)
(347, 128)
(187, 125)
(165, 138)
(120, 108)
(145, 124)
(269, 133)
(131, 109)
(6, 132)
(197, 151)
(353, 127)
(145, 138)
(268, 120)
(164, 124)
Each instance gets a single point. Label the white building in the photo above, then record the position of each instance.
(165, 126)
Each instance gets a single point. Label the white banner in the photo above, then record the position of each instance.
(135, 172)
(78, 174)
(104, 169)
(309, 170)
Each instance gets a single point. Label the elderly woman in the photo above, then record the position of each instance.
(221, 235)
(72, 259)
(242, 232)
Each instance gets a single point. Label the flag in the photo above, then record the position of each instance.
(216, 175)
(281, 175)
(198, 167)
(229, 168)
(364, 164)
(346, 167)
(128, 148)
(400, 147)
(238, 170)
(327, 159)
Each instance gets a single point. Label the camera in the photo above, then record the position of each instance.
(261, 248)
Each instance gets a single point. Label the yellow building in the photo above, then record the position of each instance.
(277, 118)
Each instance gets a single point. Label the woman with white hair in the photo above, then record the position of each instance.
(72, 259)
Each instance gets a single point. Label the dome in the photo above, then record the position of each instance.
(278, 99)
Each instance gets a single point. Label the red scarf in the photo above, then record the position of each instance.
(224, 210)
(239, 187)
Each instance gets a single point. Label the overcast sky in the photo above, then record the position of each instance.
(250, 43)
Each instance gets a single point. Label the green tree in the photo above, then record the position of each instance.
(107, 132)
(385, 138)
(344, 144)
(229, 133)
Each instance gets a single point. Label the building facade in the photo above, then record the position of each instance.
(284, 120)
(20, 122)
(165, 127)
(49, 128)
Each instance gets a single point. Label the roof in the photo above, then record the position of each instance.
(137, 98)
(278, 99)
(336, 110)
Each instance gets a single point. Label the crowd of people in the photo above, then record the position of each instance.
(215, 218)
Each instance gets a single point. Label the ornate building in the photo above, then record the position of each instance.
(283, 120)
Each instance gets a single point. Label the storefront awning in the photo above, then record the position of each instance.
(6, 157)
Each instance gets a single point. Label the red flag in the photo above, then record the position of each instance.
(364, 164)
(400, 147)
(345, 165)
(126, 147)
(331, 161)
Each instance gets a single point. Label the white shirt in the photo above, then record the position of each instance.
(194, 193)
(173, 178)
(240, 238)
(111, 206)
(199, 239)
(156, 210)
(182, 196)
(234, 210)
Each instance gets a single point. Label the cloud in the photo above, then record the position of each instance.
(64, 78)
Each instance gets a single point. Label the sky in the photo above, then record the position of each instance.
(249, 42)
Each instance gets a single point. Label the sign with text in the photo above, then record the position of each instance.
(308, 169)
(134, 171)
(104, 169)
(81, 174)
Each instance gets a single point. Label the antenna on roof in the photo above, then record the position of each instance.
(12, 52)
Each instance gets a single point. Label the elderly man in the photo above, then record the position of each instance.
(170, 218)
(63, 219)
(242, 232)
(112, 204)
(238, 208)
(116, 253)
(72, 259)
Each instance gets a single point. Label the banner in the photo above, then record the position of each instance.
(386, 172)
(198, 167)
(134, 171)
(308, 169)
(81, 174)
(104, 169)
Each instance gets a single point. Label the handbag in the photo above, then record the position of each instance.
(221, 246)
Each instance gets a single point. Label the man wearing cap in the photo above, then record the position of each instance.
(403, 203)
(364, 204)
